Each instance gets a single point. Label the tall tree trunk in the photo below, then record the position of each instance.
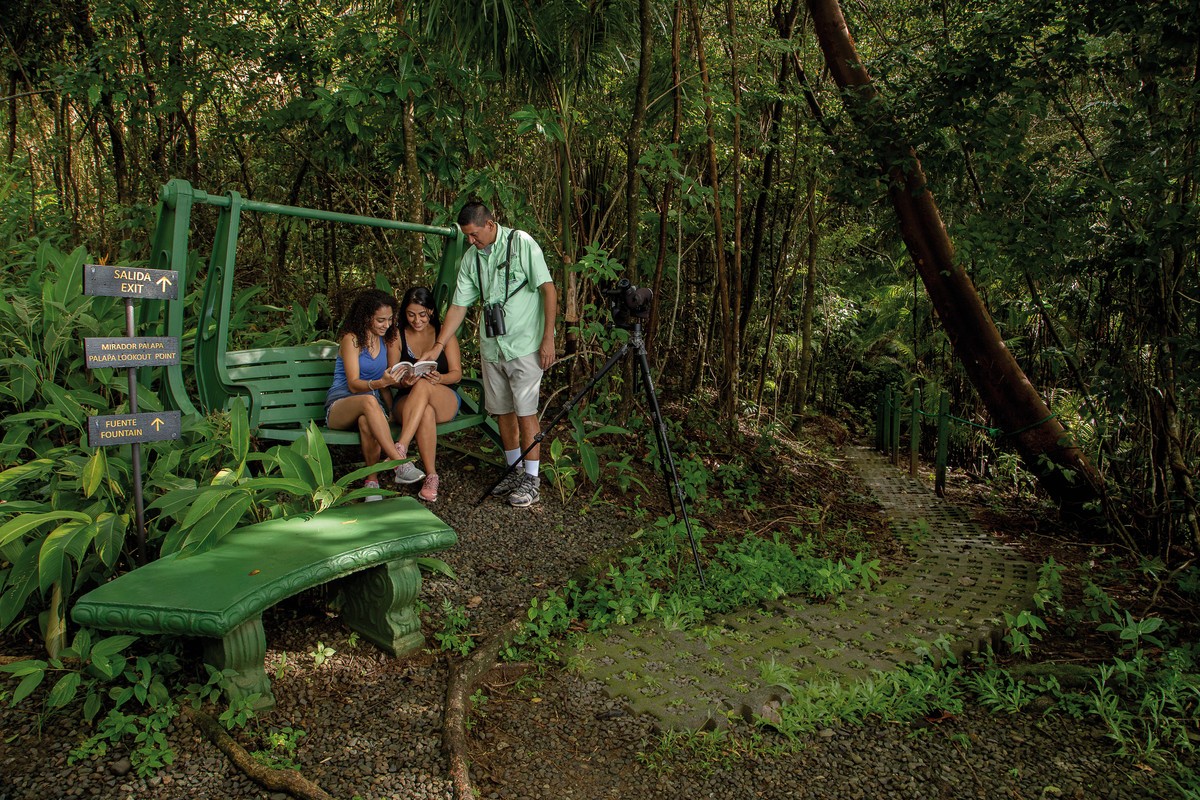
(785, 23)
(781, 287)
(633, 140)
(414, 200)
(728, 329)
(810, 297)
(11, 148)
(1046, 448)
(735, 275)
(664, 215)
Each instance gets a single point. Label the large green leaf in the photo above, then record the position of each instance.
(27, 685)
(36, 469)
(294, 466)
(318, 456)
(56, 546)
(68, 280)
(175, 501)
(94, 471)
(591, 463)
(205, 503)
(18, 527)
(110, 537)
(22, 378)
(383, 466)
(41, 416)
(111, 645)
(64, 691)
(66, 404)
(213, 527)
(22, 580)
(277, 484)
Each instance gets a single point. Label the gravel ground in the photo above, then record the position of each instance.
(373, 725)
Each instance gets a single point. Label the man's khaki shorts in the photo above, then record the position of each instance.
(513, 386)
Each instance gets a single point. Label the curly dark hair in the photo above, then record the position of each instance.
(362, 309)
(421, 296)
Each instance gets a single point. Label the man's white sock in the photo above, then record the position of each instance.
(531, 467)
(511, 456)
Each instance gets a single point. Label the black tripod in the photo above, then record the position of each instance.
(637, 345)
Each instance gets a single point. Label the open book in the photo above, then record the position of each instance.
(419, 368)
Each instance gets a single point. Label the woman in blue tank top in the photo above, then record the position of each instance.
(422, 401)
(360, 372)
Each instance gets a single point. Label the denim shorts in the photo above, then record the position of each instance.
(341, 394)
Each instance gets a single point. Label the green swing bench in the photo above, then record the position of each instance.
(368, 551)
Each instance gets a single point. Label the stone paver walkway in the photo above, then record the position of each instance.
(952, 594)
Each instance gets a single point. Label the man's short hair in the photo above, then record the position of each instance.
(474, 213)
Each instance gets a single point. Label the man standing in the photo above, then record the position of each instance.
(505, 271)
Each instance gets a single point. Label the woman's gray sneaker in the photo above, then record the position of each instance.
(526, 494)
(408, 473)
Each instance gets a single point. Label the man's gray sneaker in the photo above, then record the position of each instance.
(509, 483)
(526, 494)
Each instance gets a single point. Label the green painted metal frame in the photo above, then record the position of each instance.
(214, 387)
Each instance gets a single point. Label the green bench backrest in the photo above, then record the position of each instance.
(287, 385)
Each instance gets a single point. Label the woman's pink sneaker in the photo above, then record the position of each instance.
(429, 491)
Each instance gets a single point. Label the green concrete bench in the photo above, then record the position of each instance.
(286, 388)
(221, 594)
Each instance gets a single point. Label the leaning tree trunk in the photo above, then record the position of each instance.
(1045, 446)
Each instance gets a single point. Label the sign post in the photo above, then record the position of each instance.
(129, 353)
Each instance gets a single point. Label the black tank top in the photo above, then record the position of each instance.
(406, 354)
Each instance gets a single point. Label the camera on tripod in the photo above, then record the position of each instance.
(493, 320)
(629, 304)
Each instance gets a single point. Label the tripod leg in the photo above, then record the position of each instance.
(665, 462)
(566, 409)
(665, 449)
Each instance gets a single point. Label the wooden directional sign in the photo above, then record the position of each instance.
(148, 284)
(152, 426)
(134, 351)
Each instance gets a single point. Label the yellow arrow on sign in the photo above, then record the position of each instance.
(163, 282)
(157, 423)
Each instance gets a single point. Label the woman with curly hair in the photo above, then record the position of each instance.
(360, 372)
(422, 401)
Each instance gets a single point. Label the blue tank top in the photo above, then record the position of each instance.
(369, 369)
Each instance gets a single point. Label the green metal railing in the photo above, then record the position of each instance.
(888, 424)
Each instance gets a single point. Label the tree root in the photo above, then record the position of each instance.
(275, 780)
(459, 686)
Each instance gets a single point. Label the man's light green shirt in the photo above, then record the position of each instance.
(524, 313)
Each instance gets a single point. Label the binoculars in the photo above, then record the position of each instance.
(493, 320)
